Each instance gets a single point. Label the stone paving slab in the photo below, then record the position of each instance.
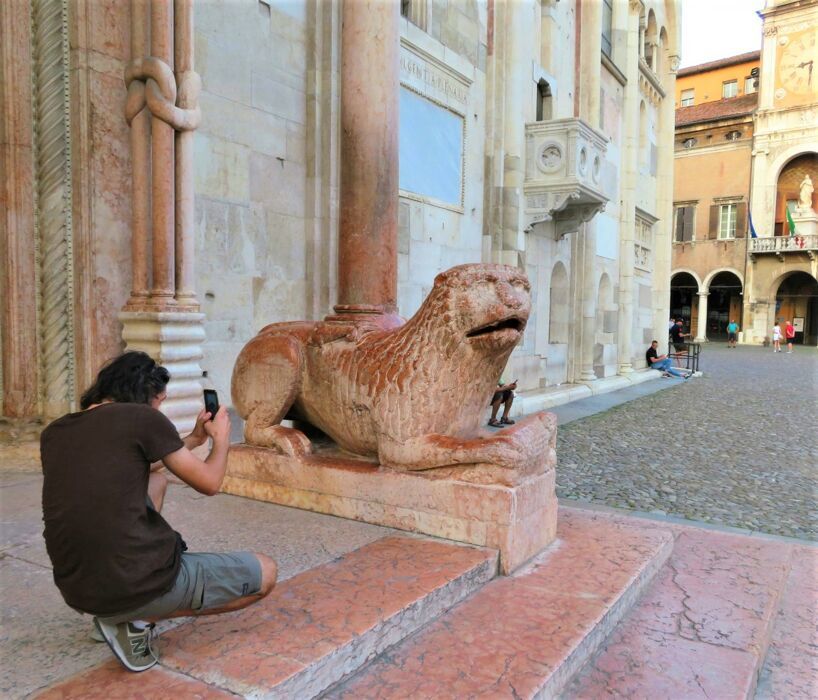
(737, 446)
(703, 628)
(791, 667)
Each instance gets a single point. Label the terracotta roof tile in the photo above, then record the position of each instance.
(720, 63)
(718, 109)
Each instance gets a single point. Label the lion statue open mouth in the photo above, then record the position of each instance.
(414, 394)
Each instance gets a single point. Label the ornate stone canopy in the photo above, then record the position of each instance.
(565, 163)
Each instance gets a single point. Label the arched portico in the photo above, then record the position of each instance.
(685, 285)
(720, 302)
(796, 300)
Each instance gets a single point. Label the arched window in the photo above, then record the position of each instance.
(544, 101)
(644, 140)
(651, 41)
(558, 311)
(605, 306)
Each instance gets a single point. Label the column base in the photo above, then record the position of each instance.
(174, 339)
(625, 369)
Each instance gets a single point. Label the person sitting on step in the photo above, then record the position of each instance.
(504, 396)
(663, 363)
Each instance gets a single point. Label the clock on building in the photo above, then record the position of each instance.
(797, 64)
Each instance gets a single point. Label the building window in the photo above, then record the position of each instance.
(749, 85)
(607, 27)
(729, 88)
(687, 97)
(733, 135)
(544, 105)
(683, 224)
(689, 143)
(414, 11)
(727, 221)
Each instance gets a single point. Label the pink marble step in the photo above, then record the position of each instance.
(525, 635)
(313, 630)
(325, 623)
(702, 629)
(791, 667)
(111, 682)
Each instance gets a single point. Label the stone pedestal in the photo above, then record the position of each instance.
(519, 521)
(174, 340)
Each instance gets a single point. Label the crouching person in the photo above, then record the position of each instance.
(114, 556)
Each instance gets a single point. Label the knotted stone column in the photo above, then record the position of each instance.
(367, 245)
(162, 315)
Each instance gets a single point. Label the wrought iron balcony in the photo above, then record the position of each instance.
(783, 245)
(564, 173)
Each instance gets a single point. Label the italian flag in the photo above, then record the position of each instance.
(790, 222)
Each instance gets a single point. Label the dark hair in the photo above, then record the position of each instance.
(133, 377)
(653, 341)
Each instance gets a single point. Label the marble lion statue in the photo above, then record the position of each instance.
(412, 394)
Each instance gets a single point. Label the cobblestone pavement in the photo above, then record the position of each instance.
(737, 447)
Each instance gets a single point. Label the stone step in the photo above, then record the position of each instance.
(315, 628)
(525, 635)
(790, 668)
(703, 628)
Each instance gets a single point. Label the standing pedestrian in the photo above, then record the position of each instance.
(732, 334)
(789, 332)
(776, 338)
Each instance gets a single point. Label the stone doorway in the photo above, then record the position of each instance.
(797, 300)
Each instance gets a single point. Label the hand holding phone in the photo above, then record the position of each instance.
(211, 402)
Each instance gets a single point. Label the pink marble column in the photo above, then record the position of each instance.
(367, 247)
(141, 161)
(188, 84)
(18, 300)
(162, 169)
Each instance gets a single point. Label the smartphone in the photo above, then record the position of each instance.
(211, 402)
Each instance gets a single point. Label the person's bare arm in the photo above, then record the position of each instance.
(205, 476)
(198, 436)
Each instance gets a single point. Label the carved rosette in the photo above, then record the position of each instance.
(564, 164)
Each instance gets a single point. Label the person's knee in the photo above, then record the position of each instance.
(269, 573)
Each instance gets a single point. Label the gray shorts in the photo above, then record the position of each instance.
(205, 581)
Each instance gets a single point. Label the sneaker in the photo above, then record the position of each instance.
(131, 645)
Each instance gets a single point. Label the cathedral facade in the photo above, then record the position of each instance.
(173, 176)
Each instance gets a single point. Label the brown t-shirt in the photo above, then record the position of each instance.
(111, 552)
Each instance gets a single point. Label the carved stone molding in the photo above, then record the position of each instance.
(564, 171)
(54, 239)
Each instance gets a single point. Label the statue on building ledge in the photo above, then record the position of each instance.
(805, 195)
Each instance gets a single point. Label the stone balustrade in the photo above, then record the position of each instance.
(779, 245)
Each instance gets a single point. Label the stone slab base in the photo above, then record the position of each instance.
(519, 521)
